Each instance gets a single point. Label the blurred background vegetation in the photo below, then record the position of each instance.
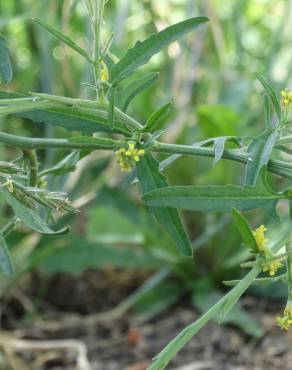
(209, 78)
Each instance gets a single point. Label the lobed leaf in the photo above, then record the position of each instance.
(143, 51)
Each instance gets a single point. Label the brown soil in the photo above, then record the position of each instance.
(70, 308)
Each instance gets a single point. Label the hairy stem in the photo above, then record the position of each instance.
(108, 144)
(38, 143)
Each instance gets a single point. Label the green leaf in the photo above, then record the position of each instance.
(143, 51)
(136, 87)
(5, 258)
(271, 94)
(219, 145)
(245, 230)
(213, 198)
(259, 153)
(203, 299)
(150, 178)
(67, 164)
(157, 117)
(166, 355)
(28, 216)
(6, 73)
(59, 35)
(267, 113)
(86, 121)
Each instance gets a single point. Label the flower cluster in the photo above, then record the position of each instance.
(127, 158)
(270, 264)
(286, 320)
(286, 97)
(261, 240)
(272, 267)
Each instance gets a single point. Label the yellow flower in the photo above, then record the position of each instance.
(261, 240)
(128, 157)
(286, 97)
(272, 267)
(286, 320)
(134, 153)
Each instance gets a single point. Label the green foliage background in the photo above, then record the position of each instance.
(208, 76)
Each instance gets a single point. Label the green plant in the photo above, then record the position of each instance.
(23, 186)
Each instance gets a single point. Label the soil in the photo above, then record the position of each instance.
(72, 308)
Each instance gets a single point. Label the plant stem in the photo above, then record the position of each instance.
(33, 161)
(289, 270)
(27, 106)
(98, 8)
(277, 167)
(39, 143)
(108, 144)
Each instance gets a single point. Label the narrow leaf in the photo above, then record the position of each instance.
(213, 198)
(5, 258)
(150, 178)
(157, 117)
(86, 121)
(245, 230)
(267, 113)
(6, 73)
(136, 87)
(143, 51)
(259, 153)
(271, 94)
(166, 355)
(59, 35)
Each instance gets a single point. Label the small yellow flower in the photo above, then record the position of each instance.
(128, 157)
(134, 153)
(286, 320)
(286, 97)
(272, 267)
(261, 240)
(269, 264)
